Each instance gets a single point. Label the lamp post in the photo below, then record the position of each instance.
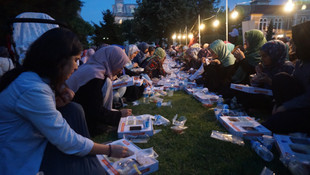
(226, 20)
(199, 29)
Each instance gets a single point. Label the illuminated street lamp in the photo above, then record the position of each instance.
(234, 14)
(216, 23)
(202, 26)
(174, 36)
(190, 36)
(289, 6)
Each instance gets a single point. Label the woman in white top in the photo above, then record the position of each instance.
(29, 118)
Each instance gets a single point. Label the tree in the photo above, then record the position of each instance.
(107, 31)
(270, 32)
(66, 11)
(157, 19)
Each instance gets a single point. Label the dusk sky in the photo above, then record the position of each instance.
(92, 9)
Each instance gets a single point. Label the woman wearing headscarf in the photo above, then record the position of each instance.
(246, 62)
(88, 54)
(292, 92)
(92, 83)
(191, 59)
(153, 66)
(131, 51)
(143, 54)
(273, 55)
(217, 75)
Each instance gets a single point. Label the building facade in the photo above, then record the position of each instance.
(123, 11)
(262, 13)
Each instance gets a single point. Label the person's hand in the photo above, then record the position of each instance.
(265, 79)
(119, 151)
(65, 97)
(147, 83)
(126, 112)
(135, 65)
(203, 59)
(239, 55)
(216, 61)
(259, 68)
(114, 77)
(278, 109)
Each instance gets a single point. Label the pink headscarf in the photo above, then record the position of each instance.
(100, 65)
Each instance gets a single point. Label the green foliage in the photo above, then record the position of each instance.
(107, 31)
(195, 152)
(159, 19)
(270, 32)
(61, 10)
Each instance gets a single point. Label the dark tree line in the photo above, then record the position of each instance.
(66, 11)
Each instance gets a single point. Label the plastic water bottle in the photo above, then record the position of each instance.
(170, 91)
(262, 151)
(220, 102)
(145, 96)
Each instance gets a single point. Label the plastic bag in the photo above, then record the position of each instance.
(137, 138)
(179, 124)
(160, 120)
(266, 171)
(227, 137)
(295, 165)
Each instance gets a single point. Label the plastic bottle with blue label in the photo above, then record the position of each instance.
(262, 151)
(145, 96)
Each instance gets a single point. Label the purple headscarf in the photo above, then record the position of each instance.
(102, 64)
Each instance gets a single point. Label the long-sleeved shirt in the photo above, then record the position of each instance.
(91, 96)
(302, 74)
(28, 120)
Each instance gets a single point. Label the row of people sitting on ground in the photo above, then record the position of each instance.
(261, 64)
(39, 122)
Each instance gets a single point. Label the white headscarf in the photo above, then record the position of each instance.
(131, 49)
(100, 65)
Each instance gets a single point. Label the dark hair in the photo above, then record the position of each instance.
(301, 36)
(47, 57)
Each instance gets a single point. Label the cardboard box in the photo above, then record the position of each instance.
(135, 125)
(289, 145)
(205, 98)
(110, 164)
(118, 84)
(243, 126)
(251, 89)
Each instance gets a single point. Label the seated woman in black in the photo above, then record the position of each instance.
(217, 75)
(292, 92)
(273, 55)
(93, 86)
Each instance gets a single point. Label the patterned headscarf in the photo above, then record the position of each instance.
(224, 55)
(102, 64)
(193, 52)
(277, 51)
(160, 53)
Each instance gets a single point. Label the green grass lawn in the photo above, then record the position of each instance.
(195, 152)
